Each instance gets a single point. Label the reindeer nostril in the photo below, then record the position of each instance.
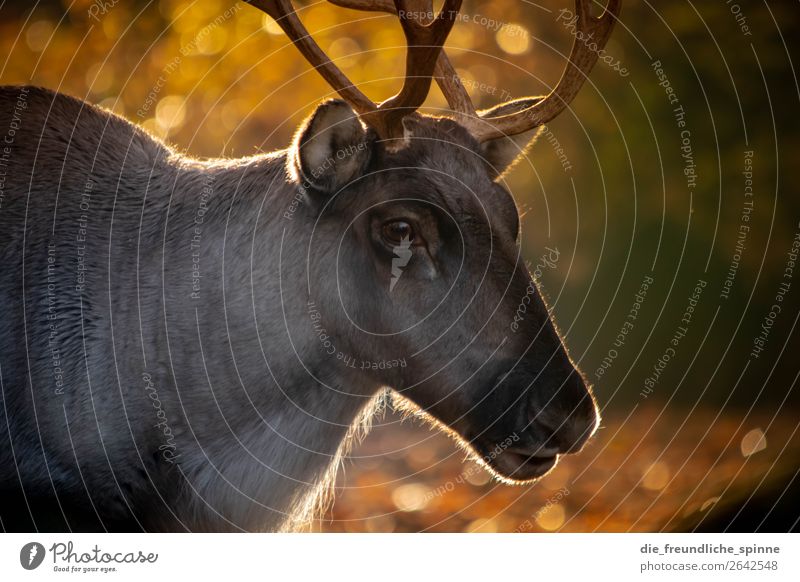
(568, 434)
(565, 425)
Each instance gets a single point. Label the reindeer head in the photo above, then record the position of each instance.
(416, 246)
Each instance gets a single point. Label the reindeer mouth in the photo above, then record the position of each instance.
(524, 466)
(517, 465)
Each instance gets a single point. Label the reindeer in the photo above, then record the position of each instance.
(190, 345)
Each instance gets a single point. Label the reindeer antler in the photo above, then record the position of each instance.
(444, 73)
(424, 46)
(581, 60)
(425, 57)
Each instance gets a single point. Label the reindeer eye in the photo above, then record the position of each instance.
(398, 232)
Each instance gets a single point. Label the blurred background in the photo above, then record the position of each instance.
(674, 173)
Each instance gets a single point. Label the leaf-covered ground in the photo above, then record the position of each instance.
(649, 470)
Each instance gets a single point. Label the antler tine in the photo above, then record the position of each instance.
(284, 14)
(444, 73)
(581, 61)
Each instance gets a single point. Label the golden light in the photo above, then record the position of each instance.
(708, 503)
(272, 27)
(171, 112)
(482, 526)
(557, 478)
(551, 518)
(99, 79)
(211, 41)
(412, 497)
(461, 38)
(345, 52)
(753, 442)
(656, 476)
(476, 475)
(38, 35)
(513, 39)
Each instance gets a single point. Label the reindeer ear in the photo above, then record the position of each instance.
(330, 148)
(502, 153)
